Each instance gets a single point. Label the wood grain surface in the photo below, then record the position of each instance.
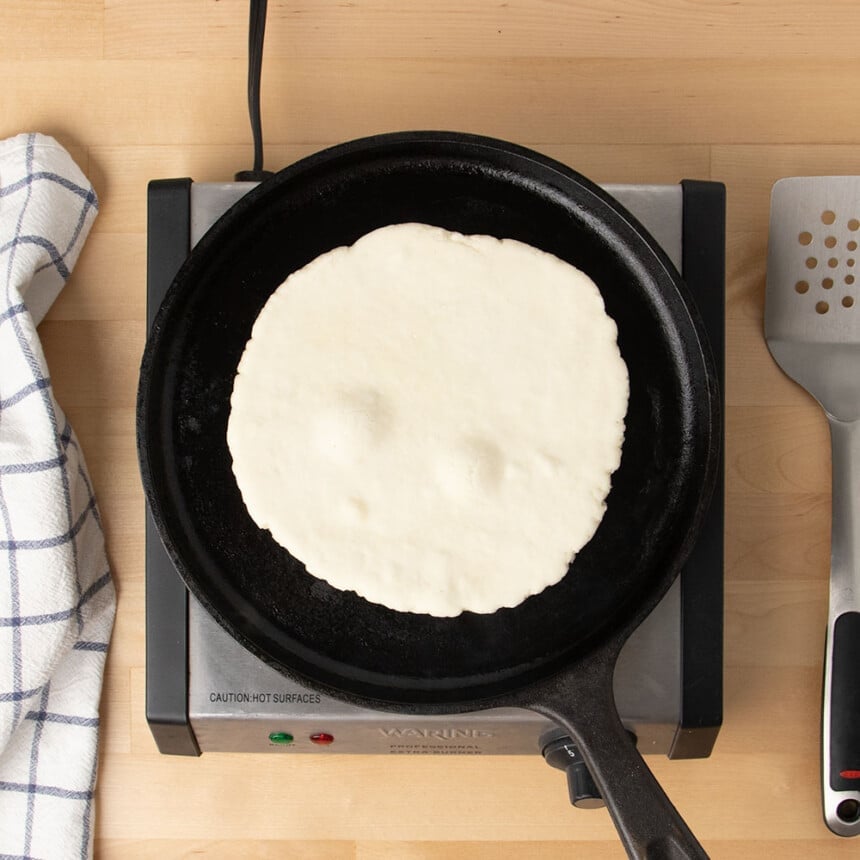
(742, 92)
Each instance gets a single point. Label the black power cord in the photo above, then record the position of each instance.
(256, 32)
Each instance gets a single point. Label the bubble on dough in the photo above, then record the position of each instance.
(470, 467)
(353, 423)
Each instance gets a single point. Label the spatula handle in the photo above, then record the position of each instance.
(841, 710)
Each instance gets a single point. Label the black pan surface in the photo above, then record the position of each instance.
(554, 653)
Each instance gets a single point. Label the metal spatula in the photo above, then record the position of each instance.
(812, 327)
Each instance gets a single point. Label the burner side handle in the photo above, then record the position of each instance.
(168, 245)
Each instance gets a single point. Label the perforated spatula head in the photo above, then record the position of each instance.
(812, 311)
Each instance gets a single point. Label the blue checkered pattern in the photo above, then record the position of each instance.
(57, 599)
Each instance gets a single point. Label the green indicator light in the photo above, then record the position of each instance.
(281, 738)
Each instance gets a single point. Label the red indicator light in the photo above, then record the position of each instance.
(322, 738)
(849, 774)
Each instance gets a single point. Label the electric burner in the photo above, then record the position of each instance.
(205, 692)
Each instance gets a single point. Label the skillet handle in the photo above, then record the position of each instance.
(582, 702)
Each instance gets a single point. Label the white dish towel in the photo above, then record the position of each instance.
(57, 599)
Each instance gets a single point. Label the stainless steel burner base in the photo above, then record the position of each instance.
(205, 692)
(235, 701)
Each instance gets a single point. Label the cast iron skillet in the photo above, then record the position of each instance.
(555, 653)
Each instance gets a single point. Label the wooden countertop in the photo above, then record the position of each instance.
(622, 90)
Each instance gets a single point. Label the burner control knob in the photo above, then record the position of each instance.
(562, 753)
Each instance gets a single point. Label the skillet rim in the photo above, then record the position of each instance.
(709, 426)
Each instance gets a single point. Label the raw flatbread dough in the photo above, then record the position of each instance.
(430, 419)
